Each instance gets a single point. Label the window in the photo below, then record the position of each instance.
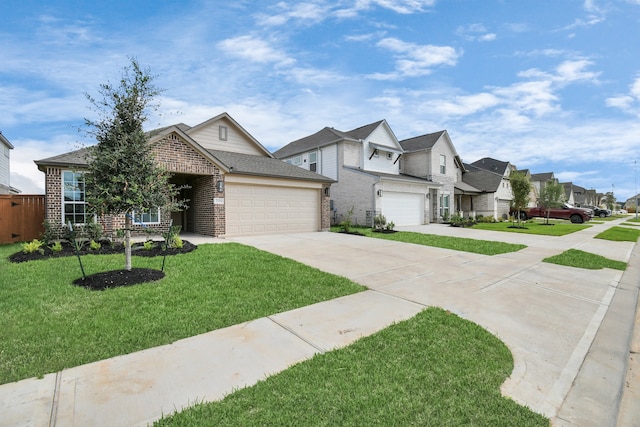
(73, 198)
(389, 156)
(297, 160)
(313, 161)
(443, 164)
(222, 133)
(444, 205)
(151, 217)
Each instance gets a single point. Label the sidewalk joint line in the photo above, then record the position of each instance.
(291, 331)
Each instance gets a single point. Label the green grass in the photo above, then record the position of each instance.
(619, 234)
(48, 324)
(435, 369)
(484, 247)
(631, 224)
(581, 259)
(559, 228)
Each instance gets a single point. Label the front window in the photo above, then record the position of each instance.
(443, 164)
(297, 160)
(74, 207)
(151, 217)
(444, 205)
(313, 161)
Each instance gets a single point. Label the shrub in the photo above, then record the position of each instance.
(56, 247)
(94, 246)
(148, 245)
(390, 225)
(32, 246)
(379, 222)
(345, 225)
(93, 231)
(49, 234)
(176, 242)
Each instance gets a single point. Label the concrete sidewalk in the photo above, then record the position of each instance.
(567, 329)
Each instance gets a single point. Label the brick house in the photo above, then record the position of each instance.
(234, 185)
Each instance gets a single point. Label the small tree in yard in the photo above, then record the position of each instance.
(521, 187)
(122, 175)
(551, 196)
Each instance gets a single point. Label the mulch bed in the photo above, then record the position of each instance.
(115, 278)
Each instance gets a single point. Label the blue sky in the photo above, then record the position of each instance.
(548, 85)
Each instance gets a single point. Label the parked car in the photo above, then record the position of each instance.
(599, 212)
(566, 211)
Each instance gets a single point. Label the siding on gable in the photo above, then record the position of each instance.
(328, 161)
(381, 163)
(351, 154)
(209, 137)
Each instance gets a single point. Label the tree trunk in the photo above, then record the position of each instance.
(127, 242)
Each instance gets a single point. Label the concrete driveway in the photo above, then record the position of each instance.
(570, 346)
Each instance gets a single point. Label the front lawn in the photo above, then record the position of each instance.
(581, 259)
(620, 234)
(484, 247)
(555, 228)
(435, 369)
(48, 324)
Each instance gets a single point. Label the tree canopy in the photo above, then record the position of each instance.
(520, 187)
(123, 176)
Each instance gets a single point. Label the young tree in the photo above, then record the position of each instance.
(551, 196)
(610, 201)
(521, 187)
(122, 175)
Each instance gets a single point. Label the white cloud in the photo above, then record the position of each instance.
(305, 12)
(399, 6)
(254, 49)
(475, 32)
(628, 103)
(417, 60)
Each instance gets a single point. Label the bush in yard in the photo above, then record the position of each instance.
(32, 246)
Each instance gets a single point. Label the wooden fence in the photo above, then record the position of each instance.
(21, 217)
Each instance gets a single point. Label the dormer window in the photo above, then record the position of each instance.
(222, 133)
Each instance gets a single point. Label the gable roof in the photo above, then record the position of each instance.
(232, 163)
(249, 164)
(482, 179)
(492, 165)
(242, 130)
(326, 136)
(321, 138)
(545, 176)
(421, 142)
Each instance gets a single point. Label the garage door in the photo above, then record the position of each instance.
(403, 208)
(255, 209)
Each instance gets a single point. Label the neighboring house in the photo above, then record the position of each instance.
(568, 192)
(366, 163)
(5, 166)
(584, 197)
(434, 158)
(533, 192)
(539, 180)
(491, 178)
(235, 185)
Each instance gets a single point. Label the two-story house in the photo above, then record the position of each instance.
(366, 163)
(434, 158)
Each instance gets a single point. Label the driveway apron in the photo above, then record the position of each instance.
(548, 315)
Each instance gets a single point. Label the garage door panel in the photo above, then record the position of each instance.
(403, 208)
(253, 209)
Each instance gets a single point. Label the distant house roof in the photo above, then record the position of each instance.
(482, 179)
(421, 142)
(491, 165)
(324, 137)
(543, 177)
(249, 164)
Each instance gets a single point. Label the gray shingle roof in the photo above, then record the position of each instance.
(248, 164)
(482, 179)
(324, 137)
(492, 165)
(545, 176)
(77, 158)
(421, 142)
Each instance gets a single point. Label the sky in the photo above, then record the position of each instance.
(547, 85)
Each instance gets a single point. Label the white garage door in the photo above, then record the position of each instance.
(255, 209)
(403, 208)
